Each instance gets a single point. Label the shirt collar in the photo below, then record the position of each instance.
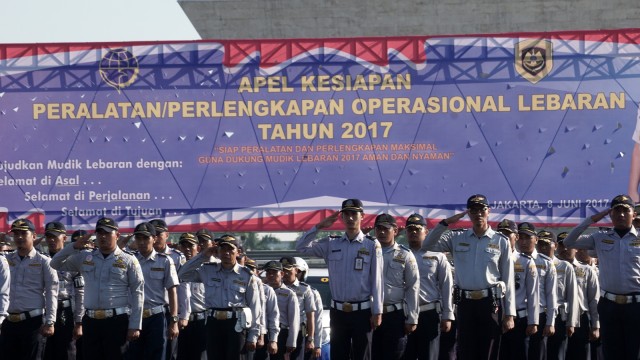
(534, 254)
(488, 233)
(633, 231)
(152, 256)
(359, 237)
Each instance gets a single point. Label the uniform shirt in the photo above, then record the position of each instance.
(71, 287)
(184, 306)
(262, 317)
(197, 297)
(112, 282)
(5, 287)
(34, 284)
(320, 337)
(527, 288)
(481, 262)
(223, 289)
(289, 312)
(548, 281)
(618, 257)
(305, 299)
(159, 275)
(588, 291)
(436, 280)
(567, 291)
(341, 255)
(271, 313)
(401, 280)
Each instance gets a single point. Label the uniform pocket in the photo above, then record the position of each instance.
(335, 256)
(157, 275)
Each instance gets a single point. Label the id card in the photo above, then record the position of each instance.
(359, 263)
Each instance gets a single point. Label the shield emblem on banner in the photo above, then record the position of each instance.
(534, 59)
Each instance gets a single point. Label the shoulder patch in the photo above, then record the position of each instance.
(502, 235)
(545, 257)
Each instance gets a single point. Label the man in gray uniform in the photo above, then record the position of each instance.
(70, 300)
(307, 307)
(481, 285)
(113, 292)
(436, 290)
(567, 311)
(192, 341)
(270, 324)
(547, 281)
(513, 344)
(33, 301)
(232, 299)
(588, 294)
(288, 310)
(355, 268)
(618, 252)
(320, 337)
(160, 281)
(160, 245)
(401, 290)
(5, 287)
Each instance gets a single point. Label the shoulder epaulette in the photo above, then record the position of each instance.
(525, 255)
(130, 253)
(43, 254)
(177, 251)
(335, 236)
(458, 230)
(545, 257)
(162, 254)
(404, 247)
(210, 263)
(502, 235)
(605, 228)
(247, 270)
(372, 238)
(304, 284)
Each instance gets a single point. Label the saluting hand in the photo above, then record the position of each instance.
(455, 218)
(599, 216)
(328, 221)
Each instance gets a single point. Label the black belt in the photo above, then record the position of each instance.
(64, 303)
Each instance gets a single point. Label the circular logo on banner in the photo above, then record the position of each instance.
(119, 68)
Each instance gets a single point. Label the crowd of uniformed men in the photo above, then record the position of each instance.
(518, 292)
